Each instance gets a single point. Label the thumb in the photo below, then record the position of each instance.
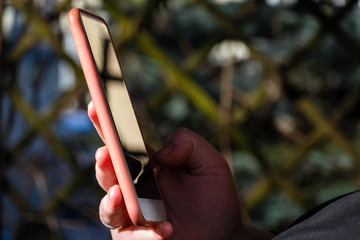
(184, 148)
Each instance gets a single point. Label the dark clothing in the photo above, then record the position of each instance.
(336, 219)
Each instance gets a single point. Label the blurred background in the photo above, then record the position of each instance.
(272, 84)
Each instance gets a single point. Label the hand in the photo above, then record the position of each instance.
(197, 187)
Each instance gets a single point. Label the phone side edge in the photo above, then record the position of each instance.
(109, 131)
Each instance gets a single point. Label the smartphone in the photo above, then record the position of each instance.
(117, 118)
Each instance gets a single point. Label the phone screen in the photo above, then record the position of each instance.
(120, 107)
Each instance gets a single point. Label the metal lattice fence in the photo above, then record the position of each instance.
(272, 84)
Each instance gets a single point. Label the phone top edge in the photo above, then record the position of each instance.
(78, 12)
(92, 16)
(73, 15)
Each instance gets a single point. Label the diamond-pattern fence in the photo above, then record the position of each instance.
(273, 85)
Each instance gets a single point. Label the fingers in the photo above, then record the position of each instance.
(186, 148)
(95, 120)
(157, 232)
(112, 209)
(113, 213)
(105, 173)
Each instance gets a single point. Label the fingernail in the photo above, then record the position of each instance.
(165, 150)
(97, 154)
(112, 198)
(91, 104)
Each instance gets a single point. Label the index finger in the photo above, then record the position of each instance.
(95, 120)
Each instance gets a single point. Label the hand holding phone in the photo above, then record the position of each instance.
(198, 191)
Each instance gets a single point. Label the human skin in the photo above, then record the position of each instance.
(198, 191)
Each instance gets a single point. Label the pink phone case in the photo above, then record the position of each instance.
(105, 119)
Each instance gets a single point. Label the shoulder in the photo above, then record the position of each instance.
(338, 218)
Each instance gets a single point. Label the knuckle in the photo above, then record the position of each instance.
(180, 134)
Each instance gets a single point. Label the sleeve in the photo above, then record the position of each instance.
(338, 218)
